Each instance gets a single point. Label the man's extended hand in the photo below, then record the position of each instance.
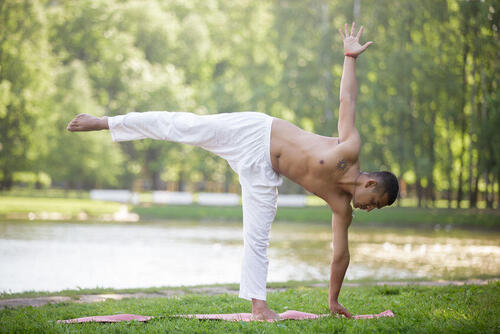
(352, 47)
(336, 308)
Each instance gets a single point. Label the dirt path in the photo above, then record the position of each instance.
(210, 291)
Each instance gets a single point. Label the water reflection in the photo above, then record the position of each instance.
(55, 256)
(403, 253)
(432, 254)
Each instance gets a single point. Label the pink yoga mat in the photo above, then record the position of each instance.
(288, 315)
(107, 318)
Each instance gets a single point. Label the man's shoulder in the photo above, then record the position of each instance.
(340, 204)
(349, 149)
(341, 157)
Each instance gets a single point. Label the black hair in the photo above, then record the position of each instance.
(388, 183)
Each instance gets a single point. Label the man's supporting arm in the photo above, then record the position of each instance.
(340, 224)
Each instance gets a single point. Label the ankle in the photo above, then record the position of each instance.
(103, 123)
(258, 305)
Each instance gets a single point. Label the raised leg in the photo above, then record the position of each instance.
(181, 127)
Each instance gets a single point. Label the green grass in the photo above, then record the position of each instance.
(46, 193)
(448, 309)
(393, 216)
(74, 294)
(65, 206)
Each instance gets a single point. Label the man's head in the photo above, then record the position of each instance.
(377, 189)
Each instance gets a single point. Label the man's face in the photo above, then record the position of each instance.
(368, 198)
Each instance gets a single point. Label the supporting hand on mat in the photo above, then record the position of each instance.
(260, 311)
(352, 47)
(336, 308)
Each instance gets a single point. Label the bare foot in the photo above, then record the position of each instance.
(86, 122)
(260, 311)
(267, 315)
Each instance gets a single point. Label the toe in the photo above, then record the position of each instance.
(72, 126)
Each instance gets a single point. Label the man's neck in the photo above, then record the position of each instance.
(350, 181)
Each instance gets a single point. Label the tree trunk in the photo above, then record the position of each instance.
(357, 10)
(180, 181)
(472, 200)
(398, 198)
(326, 62)
(432, 159)
(412, 126)
(492, 192)
(449, 166)
(475, 192)
(7, 180)
(228, 178)
(498, 194)
(462, 124)
(156, 181)
(488, 193)
(484, 120)
(416, 166)
(419, 192)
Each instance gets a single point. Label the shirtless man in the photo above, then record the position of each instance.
(261, 149)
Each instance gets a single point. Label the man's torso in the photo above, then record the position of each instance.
(315, 162)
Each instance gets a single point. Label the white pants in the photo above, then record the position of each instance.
(243, 139)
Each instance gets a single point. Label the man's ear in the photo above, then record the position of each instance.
(371, 183)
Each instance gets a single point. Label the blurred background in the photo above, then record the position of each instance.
(428, 110)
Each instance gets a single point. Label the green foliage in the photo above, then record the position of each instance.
(428, 103)
(24, 81)
(76, 160)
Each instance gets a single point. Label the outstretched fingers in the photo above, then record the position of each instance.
(343, 311)
(346, 34)
(366, 45)
(360, 32)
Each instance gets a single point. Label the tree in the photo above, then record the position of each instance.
(24, 83)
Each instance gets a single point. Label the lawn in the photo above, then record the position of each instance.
(65, 206)
(70, 208)
(444, 309)
(394, 216)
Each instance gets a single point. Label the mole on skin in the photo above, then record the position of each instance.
(321, 162)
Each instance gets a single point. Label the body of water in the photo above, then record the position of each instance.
(52, 256)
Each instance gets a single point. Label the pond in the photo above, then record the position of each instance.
(52, 256)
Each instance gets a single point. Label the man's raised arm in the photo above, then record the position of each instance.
(348, 84)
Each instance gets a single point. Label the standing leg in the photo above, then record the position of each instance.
(259, 210)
